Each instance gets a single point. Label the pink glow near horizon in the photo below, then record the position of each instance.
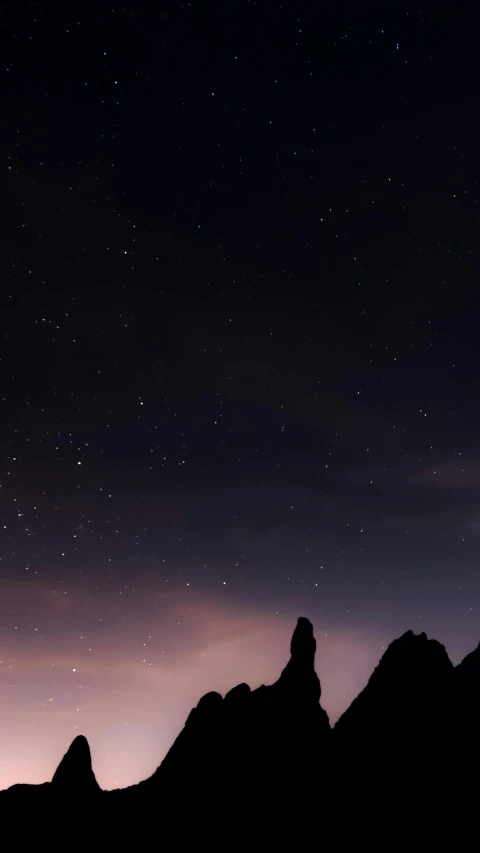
(124, 668)
(129, 685)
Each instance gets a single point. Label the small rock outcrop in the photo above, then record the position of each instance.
(74, 774)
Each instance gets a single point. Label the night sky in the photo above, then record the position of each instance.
(240, 356)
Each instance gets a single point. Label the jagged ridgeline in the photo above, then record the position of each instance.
(412, 731)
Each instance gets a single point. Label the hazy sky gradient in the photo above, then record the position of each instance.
(239, 357)
(125, 670)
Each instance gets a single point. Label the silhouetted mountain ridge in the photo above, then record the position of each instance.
(274, 745)
(402, 715)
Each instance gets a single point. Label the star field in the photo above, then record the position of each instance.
(238, 372)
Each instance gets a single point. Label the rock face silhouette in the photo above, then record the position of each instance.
(281, 729)
(399, 728)
(74, 773)
(404, 694)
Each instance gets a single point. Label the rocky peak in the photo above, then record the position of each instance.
(405, 702)
(469, 667)
(275, 724)
(299, 678)
(75, 768)
(411, 657)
